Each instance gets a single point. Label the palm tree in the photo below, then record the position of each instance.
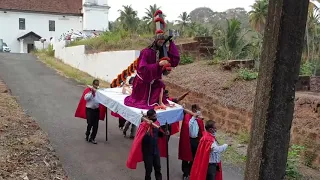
(258, 15)
(232, 44)
(128, 18)
(149, 17)
(184, 20)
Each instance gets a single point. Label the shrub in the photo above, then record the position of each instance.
(293, 161)
(247, 74)
(306, 69)
(185, 59)
(50, 51)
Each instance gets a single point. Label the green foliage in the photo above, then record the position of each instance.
(116, 40)
(258, 15)
(185, 59)
(247, 74)
(306, 69)
(231, 41)
(50, 51)
(293, 161)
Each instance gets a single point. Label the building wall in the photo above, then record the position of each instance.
(104, 65)
(36, 22)
(95, 18)
(95, 15)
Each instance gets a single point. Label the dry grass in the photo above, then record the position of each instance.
(68, 71)
(25, 151)
(212, 81)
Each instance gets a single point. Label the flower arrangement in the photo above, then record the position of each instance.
(124, 75)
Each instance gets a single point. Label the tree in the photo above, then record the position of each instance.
(258, 15)
(232, 44)
(275, 93)
(128, 18)
(184, 20)
(201, 15)
(149, 17)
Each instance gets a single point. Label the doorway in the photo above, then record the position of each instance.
(30, 48)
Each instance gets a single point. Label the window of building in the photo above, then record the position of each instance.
(22, 24)
(52, 25)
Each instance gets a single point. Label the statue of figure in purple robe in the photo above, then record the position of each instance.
(148, 87)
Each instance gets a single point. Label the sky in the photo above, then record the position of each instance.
(172, 8)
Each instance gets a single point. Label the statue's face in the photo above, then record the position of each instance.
(160, 42)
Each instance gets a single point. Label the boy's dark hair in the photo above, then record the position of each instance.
(210, 124)
(95, 81)
(151, 112)
(194, 106)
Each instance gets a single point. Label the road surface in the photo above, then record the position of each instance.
(52, 99)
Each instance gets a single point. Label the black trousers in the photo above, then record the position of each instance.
(121, 122)
(187, 165)
(152, 160)
(133, 128)
(211, 173)
(92, 122)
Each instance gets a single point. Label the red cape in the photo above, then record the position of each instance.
(81, 109)
(135, 154)
(116, 115)
(185, 152)
(200, 164)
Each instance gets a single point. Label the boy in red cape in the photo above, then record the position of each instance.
(207, 163)
(188, 142)
(88, 108)
(146, 147)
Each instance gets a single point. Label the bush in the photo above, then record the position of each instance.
(293, 161)
(185, 59)
(50, 51)
(307, 68)
(247, 74)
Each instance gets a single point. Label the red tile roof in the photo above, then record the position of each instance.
(48, 6)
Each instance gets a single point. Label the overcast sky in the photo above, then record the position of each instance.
(172, 8)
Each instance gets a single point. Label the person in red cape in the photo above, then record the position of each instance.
(191, 132)
(207, 163)
(174, 127)
(146, 147)
(90, 109)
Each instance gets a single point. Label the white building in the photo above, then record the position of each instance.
(22, 22)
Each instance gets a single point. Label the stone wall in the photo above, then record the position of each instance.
(305, 129)
(206, 47)
(191, 49)
(201, 47)
(315, 84)
(303, 83)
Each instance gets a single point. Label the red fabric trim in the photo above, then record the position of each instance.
(116, 115)
(157, 12)
(161, 21)
(159, 31)
(165, 58)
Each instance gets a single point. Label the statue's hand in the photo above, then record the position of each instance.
(164, 62)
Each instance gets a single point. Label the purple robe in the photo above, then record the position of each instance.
(147, 84)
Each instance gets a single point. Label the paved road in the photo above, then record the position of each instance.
(51, 100)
